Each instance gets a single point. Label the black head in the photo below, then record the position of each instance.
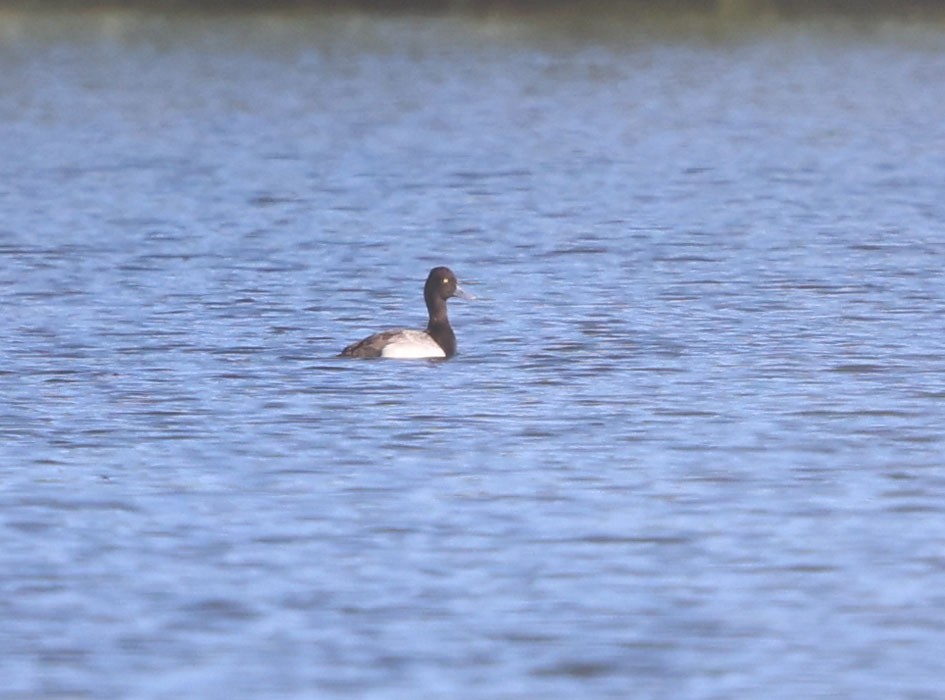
(441, 284)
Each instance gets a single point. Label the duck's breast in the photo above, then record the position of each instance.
(411, 345)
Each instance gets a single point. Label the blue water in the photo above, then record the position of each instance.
(692, 445)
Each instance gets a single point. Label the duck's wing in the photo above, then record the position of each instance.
(372, 346)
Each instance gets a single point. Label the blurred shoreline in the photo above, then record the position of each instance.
(713, 8)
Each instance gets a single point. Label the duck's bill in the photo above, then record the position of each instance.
(462, 293)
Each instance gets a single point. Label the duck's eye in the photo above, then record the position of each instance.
(446, 280)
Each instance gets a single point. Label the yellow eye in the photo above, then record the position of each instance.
(446, 280)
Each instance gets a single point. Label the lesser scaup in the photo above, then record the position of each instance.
(437, 340)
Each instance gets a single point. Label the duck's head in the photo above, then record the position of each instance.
(442, 284)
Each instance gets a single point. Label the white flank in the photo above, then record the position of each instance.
(412, 345)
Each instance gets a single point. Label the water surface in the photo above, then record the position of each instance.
(691, 446)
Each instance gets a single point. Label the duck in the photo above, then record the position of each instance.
(437, 341)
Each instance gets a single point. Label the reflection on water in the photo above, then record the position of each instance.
(696, 412)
